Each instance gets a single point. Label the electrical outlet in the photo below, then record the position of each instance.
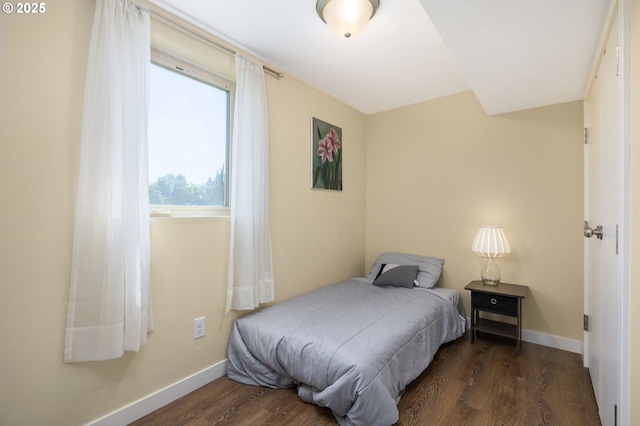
(198, 328)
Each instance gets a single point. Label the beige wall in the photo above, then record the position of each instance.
(425, 192)
(317, 236)
(438, 170)
(634, 285)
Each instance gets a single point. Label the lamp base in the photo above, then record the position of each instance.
(490, 272)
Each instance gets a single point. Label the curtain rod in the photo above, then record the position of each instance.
(207, 39)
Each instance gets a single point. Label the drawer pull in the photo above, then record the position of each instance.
(494, 301)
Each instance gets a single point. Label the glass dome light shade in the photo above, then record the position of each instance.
(346, 17)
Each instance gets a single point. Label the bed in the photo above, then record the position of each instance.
(352, 346)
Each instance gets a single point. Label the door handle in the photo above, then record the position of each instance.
(589, 232)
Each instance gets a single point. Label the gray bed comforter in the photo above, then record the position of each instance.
(351, 346)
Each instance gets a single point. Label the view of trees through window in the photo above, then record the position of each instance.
(188, 139)
(175, 190)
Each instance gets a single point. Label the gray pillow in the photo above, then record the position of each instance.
(429, 268)
(396, 275)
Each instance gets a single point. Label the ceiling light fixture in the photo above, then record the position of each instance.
(346, 17)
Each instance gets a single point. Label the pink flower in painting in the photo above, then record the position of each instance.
(333, 140)
(325, 150)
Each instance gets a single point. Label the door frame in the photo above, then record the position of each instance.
(625, 212)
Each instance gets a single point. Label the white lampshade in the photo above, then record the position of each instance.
(491, 242)
(346, 17)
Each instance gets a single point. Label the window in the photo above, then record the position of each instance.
(189, 133)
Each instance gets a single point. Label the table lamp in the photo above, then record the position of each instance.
(491, 243)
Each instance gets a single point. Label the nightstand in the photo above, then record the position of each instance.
(503, 299)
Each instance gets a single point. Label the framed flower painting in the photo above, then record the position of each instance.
(326, 155)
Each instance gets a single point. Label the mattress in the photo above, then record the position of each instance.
(452, 295)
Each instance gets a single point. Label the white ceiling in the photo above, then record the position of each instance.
(513, 54)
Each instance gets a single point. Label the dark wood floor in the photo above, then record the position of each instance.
(487, 383)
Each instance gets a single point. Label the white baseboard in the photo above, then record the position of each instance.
(152, 402)
(552, 341)
(548, 340)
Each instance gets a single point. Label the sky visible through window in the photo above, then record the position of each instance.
(187, 127)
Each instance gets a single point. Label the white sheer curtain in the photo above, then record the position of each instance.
(109, 310)
(250, 261)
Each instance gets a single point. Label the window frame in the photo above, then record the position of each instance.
(199, 73)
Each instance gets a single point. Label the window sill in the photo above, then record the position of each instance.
(158, 212)
(190, 220)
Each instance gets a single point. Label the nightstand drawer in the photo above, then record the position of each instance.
(494, 303)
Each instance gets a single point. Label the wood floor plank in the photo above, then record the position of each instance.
(485, 383)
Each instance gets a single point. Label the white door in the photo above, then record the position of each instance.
(602, 204)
